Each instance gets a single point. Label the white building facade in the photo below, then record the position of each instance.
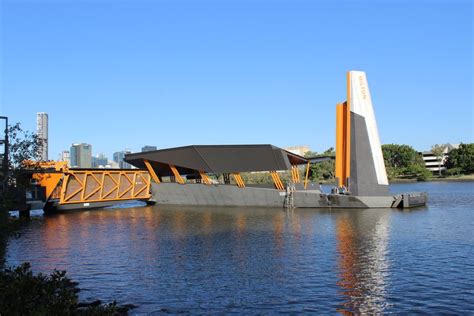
(298, 150)
(65, 156)
(437, 164)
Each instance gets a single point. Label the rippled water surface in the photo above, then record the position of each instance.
(202, 260)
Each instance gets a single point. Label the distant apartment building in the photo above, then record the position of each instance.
(148, 148)
(42, 132)
(298, 150)
(99, 161)
(119, 158)
(65, 156)
(437, 164)
(81, 155)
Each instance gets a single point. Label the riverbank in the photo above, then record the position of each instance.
(464, 177)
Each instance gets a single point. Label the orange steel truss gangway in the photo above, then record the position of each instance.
(64, 186)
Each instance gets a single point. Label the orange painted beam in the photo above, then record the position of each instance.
(347, 132)
(343, 143)
(306, 176)
(277, 181)
(151, 171)
(48, 180)
(176, 174)
(204, 177)
(339, 172)
(238, 179)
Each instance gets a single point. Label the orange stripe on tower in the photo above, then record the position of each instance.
(348, 130)
(339, 143)
(343, 138)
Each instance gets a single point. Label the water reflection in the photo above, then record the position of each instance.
(241, 260)
(267, 249)
(362, 240)
(3, 246)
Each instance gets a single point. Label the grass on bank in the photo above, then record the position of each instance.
(460, 177)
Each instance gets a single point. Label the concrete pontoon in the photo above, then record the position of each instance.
(361, 179)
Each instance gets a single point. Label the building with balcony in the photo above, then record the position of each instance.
(437, 164)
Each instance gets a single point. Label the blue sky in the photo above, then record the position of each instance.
(123, 74)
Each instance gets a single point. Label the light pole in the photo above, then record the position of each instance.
(4, 142)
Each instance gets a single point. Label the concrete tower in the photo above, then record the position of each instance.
(359, 160)
(42, 132)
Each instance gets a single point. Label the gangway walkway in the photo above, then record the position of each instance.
(89, 187)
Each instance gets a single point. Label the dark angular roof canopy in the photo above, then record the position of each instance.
(217, 159)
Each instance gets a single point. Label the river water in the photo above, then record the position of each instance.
(245, 260)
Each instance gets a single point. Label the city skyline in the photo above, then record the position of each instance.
(80, 155)
(256, 73)
(152, 147)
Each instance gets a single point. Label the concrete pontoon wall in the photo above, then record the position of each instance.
(230, 195)
(219, 195)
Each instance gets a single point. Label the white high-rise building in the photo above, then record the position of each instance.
(42, 132)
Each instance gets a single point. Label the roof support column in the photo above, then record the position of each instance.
(277, 181)
(306, 177)
(238, 180)
(204, 177)
(295, 174)
(151, 171)
(176, 174)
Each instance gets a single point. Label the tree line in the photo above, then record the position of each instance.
(402, 162)
(461, 160)
(23, 145)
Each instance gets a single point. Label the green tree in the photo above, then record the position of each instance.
(417, 171)
(404, 161)
(24, 145)
(438, 151)
(310, 154)
(462, 158)
(323, 170)
(398, 156)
